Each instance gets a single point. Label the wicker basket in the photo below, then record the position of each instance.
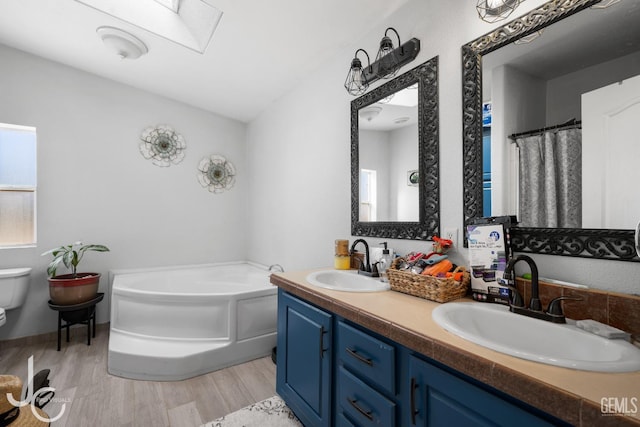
(427, 287)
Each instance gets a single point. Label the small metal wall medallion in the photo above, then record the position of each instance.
(162, 145)
(216, 174)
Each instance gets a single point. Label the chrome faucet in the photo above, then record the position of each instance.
(516, 304)
(276, 268)
(365, 267)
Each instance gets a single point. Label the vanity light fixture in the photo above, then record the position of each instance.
(387, 63)
(496, 10)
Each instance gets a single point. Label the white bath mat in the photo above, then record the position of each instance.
(271, 412)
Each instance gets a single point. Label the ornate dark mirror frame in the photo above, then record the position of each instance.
(576, 242)
(428, 225)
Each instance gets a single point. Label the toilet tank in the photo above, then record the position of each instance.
(14, 283)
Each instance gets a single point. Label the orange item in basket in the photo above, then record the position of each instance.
(443, 266)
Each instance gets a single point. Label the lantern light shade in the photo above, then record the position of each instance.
(356, 82)
(387, 58)
(496, 10)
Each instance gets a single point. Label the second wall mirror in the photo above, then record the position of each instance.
(553, 79)
(394, 158)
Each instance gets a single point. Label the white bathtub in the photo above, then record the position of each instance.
(172, 324)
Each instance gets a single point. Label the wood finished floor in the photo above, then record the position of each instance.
(95, 398)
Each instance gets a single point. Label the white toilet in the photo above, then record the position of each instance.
(14, 283)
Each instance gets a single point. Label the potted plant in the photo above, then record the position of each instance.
(73, 288)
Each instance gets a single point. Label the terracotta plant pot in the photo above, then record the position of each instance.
(67, 290)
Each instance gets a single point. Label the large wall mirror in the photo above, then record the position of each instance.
(394, 157)
(550, 106)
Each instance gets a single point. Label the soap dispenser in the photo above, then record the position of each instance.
(384, 263)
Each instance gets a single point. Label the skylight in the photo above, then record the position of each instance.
(170, 4)
(190, 23)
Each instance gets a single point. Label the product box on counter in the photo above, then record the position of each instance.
(488, 258)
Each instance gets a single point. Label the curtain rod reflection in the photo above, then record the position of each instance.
(573, 123)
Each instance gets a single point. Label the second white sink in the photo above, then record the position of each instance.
(495, 327)
(346, 280)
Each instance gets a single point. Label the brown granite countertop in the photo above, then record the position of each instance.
(571, 395)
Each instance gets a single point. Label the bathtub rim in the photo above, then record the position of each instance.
(114, 272)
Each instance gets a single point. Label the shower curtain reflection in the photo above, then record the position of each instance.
(550, 179)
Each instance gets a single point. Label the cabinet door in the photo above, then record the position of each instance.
(303, 376)
(438, 398)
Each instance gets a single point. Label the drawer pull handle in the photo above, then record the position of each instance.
(354, 403)
(359, 357)
(414, 412)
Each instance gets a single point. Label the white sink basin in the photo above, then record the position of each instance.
(495, 327)
(346, 280)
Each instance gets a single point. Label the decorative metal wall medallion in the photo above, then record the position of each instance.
(216, 174)
(162, 145)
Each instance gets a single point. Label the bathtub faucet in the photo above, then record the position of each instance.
(276, 267)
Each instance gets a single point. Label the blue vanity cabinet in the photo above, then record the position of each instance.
(439, 398)
(333, 372)
(304, 366)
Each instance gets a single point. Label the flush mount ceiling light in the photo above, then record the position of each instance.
(496, 10)
(388, 62)
(369, 113)
(190, 23)
(125, 45)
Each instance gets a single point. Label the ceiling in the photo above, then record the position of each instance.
(260, 50)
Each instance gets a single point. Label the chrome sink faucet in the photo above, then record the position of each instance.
(365, 267)
(516, 304)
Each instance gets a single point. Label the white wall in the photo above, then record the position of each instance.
(95, 186)
(309, 129)
(299, 155)
(404, 157)
(564, 93)
(374, 152)
(517, 105)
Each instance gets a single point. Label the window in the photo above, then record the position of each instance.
(17, 185)
(367, 195)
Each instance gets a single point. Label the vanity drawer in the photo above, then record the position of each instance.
(367, 356)
(364, 405)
